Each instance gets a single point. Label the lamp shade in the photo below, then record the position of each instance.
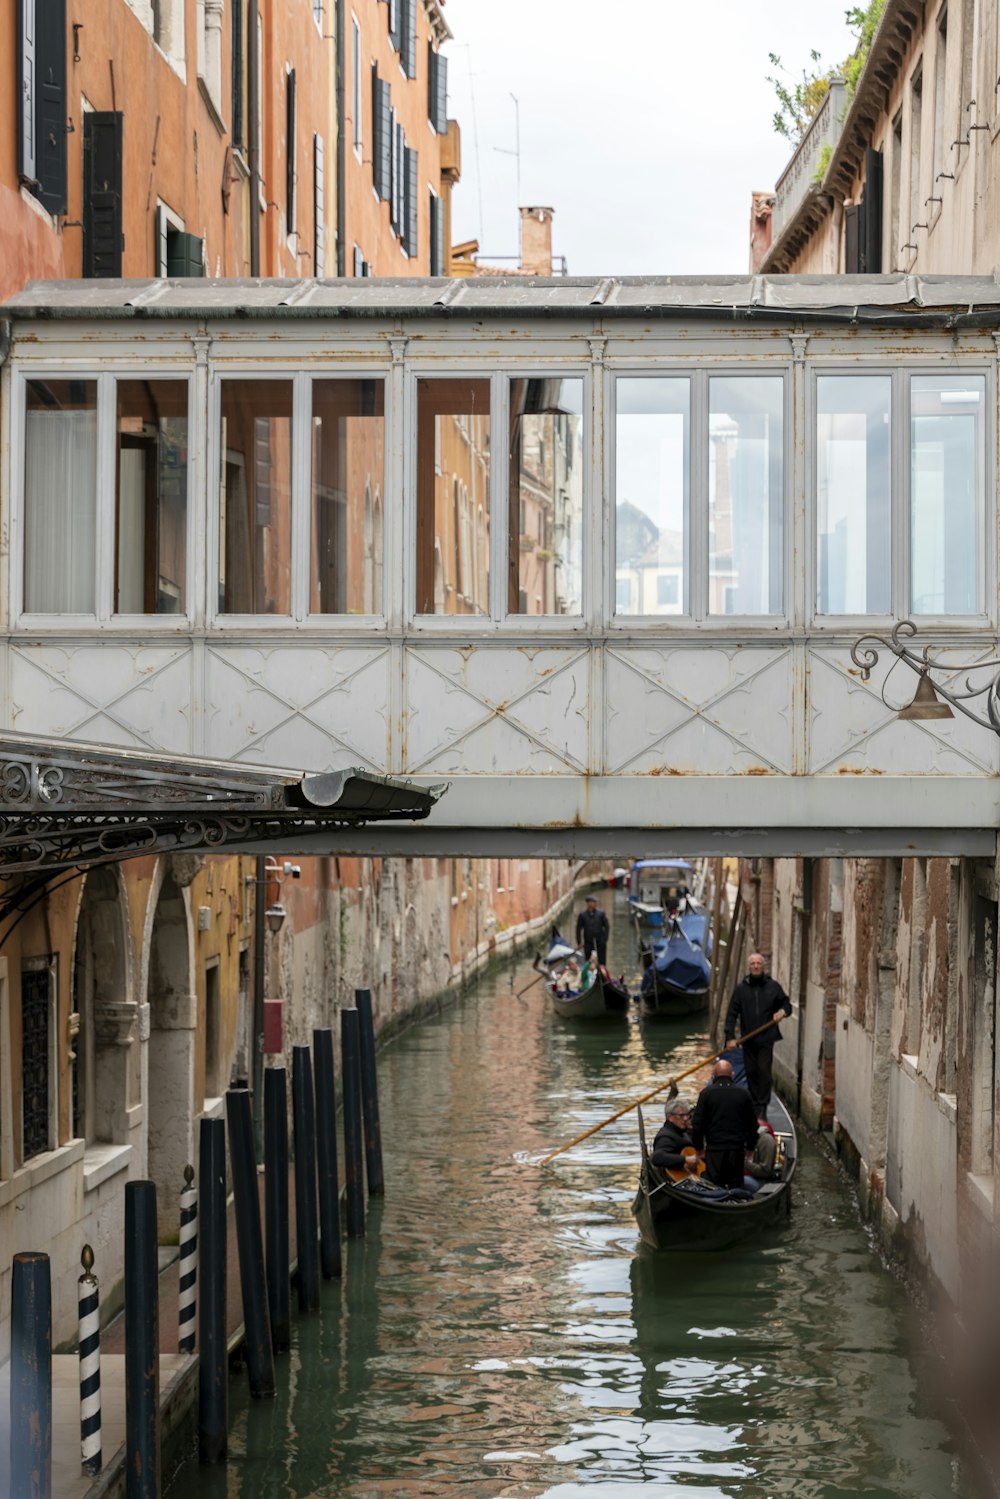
(926, 703)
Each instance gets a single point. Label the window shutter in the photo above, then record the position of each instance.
(381, 136)
(102, 193)
(410, 216)
(408, 48)
(436, 235)
(239, 31)
(871, 239)
(395, 171)
(50, 108)
(185, 254)
(441, 95)
(431, 82)
(290, 152)
(852, 245)
(26, 82)
(394, 22)
(319, 207)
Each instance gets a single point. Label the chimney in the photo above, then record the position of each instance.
(536, 241)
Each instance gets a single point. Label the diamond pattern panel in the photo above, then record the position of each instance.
(299, 707)
(135, 696)
(698, 710)
(853, 728)
(497, 712)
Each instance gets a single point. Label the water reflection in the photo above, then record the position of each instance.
(501, 1333)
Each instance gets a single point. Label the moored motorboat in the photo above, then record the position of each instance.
(675, 1210)
(659, 889)
(677, 976)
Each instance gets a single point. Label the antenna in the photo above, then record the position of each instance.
(516, 153)
(475, 141)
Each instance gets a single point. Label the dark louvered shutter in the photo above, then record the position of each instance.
(102, 193)
(381, 136)
(441, 95)
(436, 235)
(408, 41)
(185, 254)
(319, 207)
(871, 238)
(50, 110)
(410, 206)
(395, 172)
(239, 29)
(394, 22)
(290, 152)
(852, 239)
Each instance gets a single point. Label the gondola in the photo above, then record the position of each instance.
(676, 1211)
(603, 998)
(676, 977)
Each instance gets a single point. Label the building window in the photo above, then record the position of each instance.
(947, 485)
(453, 420)
(255, 523)
(319, 207)
(437, 90)
(348, 464)
(214, 1072)
(852, 494)
(317, 6)
(545, 497)
(60, 496)
(652, 466)
(438, 266)
(896, 179)
(209, 22)
(408, 37)
(290, 152)
(358, 261)
(745, 495)
(668, 591)
(102, 193)
(151, 509)
(943, 136)
(42, 94)
(915, 200)
(381, 136)
(38, 1062)
(408, 225)
(356, 91)
(239, 22)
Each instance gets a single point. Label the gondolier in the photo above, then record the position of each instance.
(592, 931)
(755, 1000)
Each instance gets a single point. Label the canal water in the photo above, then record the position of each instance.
(501, 1331)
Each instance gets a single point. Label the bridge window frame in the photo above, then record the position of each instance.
(697, 615)
(106, 379)
(299, 616)
(900, 498)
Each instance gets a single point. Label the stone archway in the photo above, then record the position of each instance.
(173, 1011)
(105, 1072)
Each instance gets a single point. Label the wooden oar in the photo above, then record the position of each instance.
(671, 1082)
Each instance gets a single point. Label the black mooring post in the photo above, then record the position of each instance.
(304, 1124)
(142, 1343)
(31, 1377)
(369, 1094)
(351, 1086)
(250, 1243)
(276, 1204)
(213, 1371)
(326, 1153)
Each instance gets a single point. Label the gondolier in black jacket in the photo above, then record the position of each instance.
(757, 999)
(724, 1126)
(592, 931)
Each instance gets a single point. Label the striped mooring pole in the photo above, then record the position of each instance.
(90, 1366)
(187, 1284)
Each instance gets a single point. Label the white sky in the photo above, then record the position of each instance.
(645, 124)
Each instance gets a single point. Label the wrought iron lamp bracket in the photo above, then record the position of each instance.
(865, 654)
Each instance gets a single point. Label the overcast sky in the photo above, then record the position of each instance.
(645, 124)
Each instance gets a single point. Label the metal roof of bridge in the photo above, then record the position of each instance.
(889, 298)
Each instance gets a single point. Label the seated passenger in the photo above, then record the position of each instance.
(760, 1166)
(672, 1137)
(567, 980)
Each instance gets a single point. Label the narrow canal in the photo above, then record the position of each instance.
(501, 1332)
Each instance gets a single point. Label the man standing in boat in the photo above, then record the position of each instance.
(757, 999)
(592, 931)
(724, 1126)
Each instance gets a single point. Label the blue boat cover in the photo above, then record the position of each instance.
(680, 963)
(558, 948)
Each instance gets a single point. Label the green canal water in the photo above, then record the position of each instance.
(501, 1332)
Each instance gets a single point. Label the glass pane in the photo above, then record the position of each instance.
(546, 497)
(745, 495)
(255, 510)
(946, 490)
(453, 496)
(853, 574)
(348, 453)
(652, 453)
(151, 504)
(60, 496)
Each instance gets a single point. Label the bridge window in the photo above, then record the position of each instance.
(255, 516)
(60, 496)
(453, 484)
(151, 500)
(545, 561)
(652, 479)
(852, 494)
(348, 463)
(745, 495)
(947, 486)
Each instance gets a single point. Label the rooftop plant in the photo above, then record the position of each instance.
(800, 99)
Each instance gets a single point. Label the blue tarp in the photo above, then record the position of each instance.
(680, 963)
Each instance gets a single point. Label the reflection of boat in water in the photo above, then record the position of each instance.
(676, 977)
(675, 1210)
(598, 997)
(660, 889)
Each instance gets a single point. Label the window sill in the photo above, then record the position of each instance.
(101, 1162)
(40, 1169)
(979, 1191)
(211, 106)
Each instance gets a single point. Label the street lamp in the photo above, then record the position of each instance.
(935, 698)
(275, 917)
